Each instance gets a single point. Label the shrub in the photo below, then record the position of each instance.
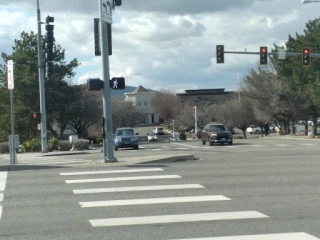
(4, 147)
(53, 144)
(99, 140)
(80, 144)
(64, 145)
(35, 145)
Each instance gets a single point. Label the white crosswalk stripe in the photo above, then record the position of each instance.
(140, 188)
(165, 219)
(153, 201)
(3, 181)
(277, 236)
(50, 161)
(197, 217)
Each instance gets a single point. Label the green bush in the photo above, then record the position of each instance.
(80, 144)
(64, 145)
(53, 144)
(99, 140)
(32, 145)
(4, 147)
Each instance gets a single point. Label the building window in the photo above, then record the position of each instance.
(139, 103)
(145, 103)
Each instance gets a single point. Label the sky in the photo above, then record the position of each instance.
(167, 44)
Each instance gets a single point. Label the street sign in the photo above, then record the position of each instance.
(281, 54)
(10, 75)
(117, 83)
(106, 8)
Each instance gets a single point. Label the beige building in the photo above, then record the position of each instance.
(141, 98)
(211, 96)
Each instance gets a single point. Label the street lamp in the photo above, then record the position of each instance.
(195, 121)
(310, 1)
(239, 84)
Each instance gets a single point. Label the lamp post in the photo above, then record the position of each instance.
(195, 121)
(239, 85)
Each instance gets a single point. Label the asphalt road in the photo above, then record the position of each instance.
(255, 187)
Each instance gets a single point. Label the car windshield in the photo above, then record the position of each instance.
(151, 134)
(124, 132)
(217, 128)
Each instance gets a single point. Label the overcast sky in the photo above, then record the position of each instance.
(164, 43)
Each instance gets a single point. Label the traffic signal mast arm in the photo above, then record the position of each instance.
(274, 53)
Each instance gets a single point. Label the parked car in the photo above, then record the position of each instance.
(152, 137)
(125, 138)
(158, 131)
(253, 129)
(216, 133)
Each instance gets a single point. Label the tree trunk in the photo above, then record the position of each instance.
(314, 126)
(292, 127)
(244, 133)
(306, 127)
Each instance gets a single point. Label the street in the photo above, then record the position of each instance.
(254, 187)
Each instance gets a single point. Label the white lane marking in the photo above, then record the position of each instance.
(157, 149)
(282, 145)
(0, 211)
(113, 171)
(3, 180)
(153, 201)
(307, 144)
(275, 236)
(121, 179)
(186, 145)
(1, 197)
(140, 188)
(256, 145)
(108, 222)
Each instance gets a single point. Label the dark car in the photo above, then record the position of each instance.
(125, 138)
(216, 133)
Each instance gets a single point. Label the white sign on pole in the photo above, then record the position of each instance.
(10, 74)
(106, 8)
(281, 54)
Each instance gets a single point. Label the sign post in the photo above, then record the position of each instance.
(105, 9)
(13, 155)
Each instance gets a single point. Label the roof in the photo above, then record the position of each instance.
(215, 91)
(140, 89)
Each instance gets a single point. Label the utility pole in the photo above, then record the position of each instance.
(44, 140)
(105, 10)
(239, 86)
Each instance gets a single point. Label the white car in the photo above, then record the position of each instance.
(158, 131)
(253, 129)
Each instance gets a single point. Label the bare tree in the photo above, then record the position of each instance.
(166, 104)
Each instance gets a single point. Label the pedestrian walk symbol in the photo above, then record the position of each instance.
(117, 83)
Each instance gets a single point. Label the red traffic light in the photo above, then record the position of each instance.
(306, 51)
(263, 50)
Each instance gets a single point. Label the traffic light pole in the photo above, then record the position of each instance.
(44, 141)
(108, 144)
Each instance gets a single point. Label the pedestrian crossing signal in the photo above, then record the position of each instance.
(36, 116)
(117, 83)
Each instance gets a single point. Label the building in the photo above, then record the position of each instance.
(141, 98)
(210, 96)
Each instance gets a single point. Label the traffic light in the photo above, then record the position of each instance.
(36, 116)
(49, 47)
(220, 53)
(117, 83)
(94, 84)
(263, 55)
(118, 2)
(306, 57)
(97, 49)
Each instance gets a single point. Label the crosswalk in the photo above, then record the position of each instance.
(76, 179)
(3, 180)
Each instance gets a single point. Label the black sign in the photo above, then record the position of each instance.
(117, 83)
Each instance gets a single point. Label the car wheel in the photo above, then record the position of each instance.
(136, 147)
(203, 142)
(257, 132)
(230, 143)
(116, 149)
(210, 142)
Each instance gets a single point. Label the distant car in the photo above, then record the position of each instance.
(301, 132)
(216, 133)
(125, 138)
(158, 131)
(152, 137)
(253, 129)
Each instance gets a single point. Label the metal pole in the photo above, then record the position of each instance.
(195, 121)
(239, 85)
(108, 146)
(13, 155)
(44, 141)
